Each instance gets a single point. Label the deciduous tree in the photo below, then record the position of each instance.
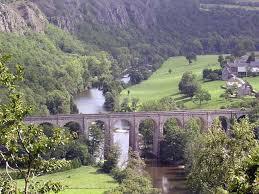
(216, 159)
(201, 96)
(22, 145)
(191, 57)
(189, 84)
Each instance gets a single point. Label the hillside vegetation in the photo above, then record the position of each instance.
(140, 34)
(101, 40)
(163, 84)
(57, 66)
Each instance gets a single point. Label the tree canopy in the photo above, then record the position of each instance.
(189, 84)
(23, 146)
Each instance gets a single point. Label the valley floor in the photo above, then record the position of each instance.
(163, 84)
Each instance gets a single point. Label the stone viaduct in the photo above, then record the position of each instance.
(134, 120)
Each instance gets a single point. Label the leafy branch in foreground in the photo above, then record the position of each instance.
(223, 162)
(22, 146)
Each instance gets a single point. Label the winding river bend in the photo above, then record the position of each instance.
(170, 179)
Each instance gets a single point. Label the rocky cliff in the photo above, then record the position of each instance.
(68, 14)
(20, 17)
(167, 26)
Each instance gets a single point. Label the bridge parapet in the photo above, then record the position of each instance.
(182, 116)
(134, 119)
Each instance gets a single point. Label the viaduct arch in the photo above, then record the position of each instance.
(134, 119)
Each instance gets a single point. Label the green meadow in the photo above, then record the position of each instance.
(163, 84)
(83, 180)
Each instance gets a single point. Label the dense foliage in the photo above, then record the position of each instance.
(23, 146)
(212, 75)
(57, 66)
(189, 84)
(165, 104)
(224, 161)
(176, 138)
(201, 95)
(112, 159)
(96, 140)
(147, 130)
(133, 178)
(223, 31)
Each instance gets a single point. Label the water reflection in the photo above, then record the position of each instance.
(171, 179)
(121, 138)
(90, 102)
(126, 79)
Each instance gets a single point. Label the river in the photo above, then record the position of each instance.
(170, 179)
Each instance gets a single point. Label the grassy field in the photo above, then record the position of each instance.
(84, 180)
(162, 84)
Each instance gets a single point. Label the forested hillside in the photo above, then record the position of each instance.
(139, 25)
(106, 38)
(56, 67)
(141, 33)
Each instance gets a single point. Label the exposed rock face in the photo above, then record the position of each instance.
(20, 17)
(68, 14)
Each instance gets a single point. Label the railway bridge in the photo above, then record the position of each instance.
(134, 119)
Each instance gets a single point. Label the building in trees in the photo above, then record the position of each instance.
(239, 86)
(242, 67)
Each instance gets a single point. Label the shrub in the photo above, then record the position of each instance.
(133, 179)
(118, 174)
(47, 167)
(53, 165)
(78, 151)
(8, 186)
(76, 163)
(15, 174)
(112, 159)
(212, 75)
(47, 187)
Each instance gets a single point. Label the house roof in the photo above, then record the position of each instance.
(254, 63)
(240, 63)
(241, 66)
(242, 69)
(244, 58)
(235, 81)
(255, 69)
(227, 69)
